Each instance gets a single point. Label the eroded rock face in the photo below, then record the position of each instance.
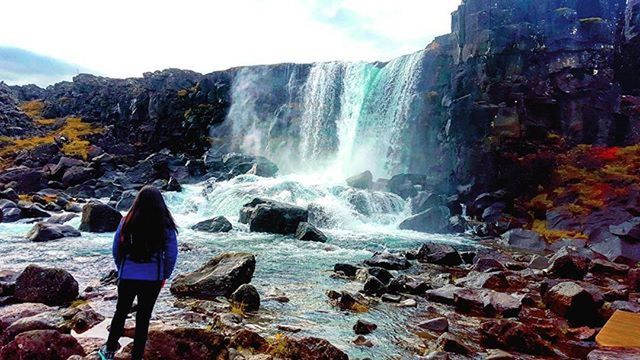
(221, 276)
(49, 286)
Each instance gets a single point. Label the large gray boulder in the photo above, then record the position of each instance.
(98, 217)
(221, 276)
(363, 180)
(44, 231)
(272, 216)
(215, 225)
(435, 220)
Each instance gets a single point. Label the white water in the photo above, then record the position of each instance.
(341, 118)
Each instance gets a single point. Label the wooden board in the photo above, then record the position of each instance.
(622, 330)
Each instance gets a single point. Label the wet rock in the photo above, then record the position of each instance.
(238, 164)
(440, 254)
(426, 200)
(43, 231)
(310, 348)
(221, 276)
(486, 302)
(574, 302)
(614, 354)
(50, 320)
(343, 300)
(10, 211)
(405, 284)
(439, 325)
(270, 216)
(215, 225)
(443, 295)
(363, 180)
(434, 220)
(126, 200)
(173, 185)
(247, 339)
(512, 335)
(8, 282)
(98, 218)
(346, 269)
(362, 341)
(451, 343)
(9, 194)
(478, 280)
(523, 239)
(32, 211)
(373, 286)
(487, 264)
(629, 230)
(308, 232)
(406, 185)
(171, 343)
(49, 286)
(388, 261)
(12, 313)
(83, 319)
(246, 297)
(42, 345)
(61, 218)
(381, 274)
(363, 327)
(600, 266)
(568, 264)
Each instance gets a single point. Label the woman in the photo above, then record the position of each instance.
(145, 249)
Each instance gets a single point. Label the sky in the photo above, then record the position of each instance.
(124, 38)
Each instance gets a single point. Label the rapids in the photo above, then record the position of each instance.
(301, 270)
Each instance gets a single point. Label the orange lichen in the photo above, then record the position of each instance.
(72, 135)
(550, 236)
(280, 347)
(33, 108)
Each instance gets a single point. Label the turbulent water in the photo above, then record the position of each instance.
(332, 116)
(301, 270)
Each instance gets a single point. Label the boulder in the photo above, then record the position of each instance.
(486, 302)
(221, 276)
(406, 185)
(628, 230)
(363, 327)
(98, 217)
(452, 344)
(26, 180)
(388, 261)
(10, 211)
(373, 286)
(434, 220)
(8, 282)
(49, 320)
(513, 335)
(572, 301)
(49, 286)
(12, 313)
(346, 269)
(424, 200)
(440, 325)
(381, 274)
(246, 297)
(480, 280)
(440, 254)
(44, 231)
(32, 211)
(308, 232)
(487, 264)
(614, 354)
(614, 248)
(175, 343)
(238, 164)
(363, 180)
(42, 345)
(76, 175)
(601, 266)
(568, 264)
(310, 348)
(216, 225)
(274, 217)
(523, 239)
(126, 200)
(61, 218)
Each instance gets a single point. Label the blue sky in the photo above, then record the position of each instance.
(122, 38)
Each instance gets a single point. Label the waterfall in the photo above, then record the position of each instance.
(336, 118)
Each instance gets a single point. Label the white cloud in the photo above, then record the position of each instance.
(127, 37)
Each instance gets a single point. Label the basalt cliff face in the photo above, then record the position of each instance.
(514, 79)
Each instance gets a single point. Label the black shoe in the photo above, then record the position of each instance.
(106, 354)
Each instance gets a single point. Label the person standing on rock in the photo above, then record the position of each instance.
(145, 250)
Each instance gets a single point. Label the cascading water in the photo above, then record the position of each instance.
(344, 117)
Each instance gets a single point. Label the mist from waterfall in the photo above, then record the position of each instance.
(334, 118)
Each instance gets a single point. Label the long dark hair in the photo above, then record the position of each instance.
(145, 227)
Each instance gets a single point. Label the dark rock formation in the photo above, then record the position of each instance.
(270, 216)
(46, 285)
(98, 217)
(246, 297)
(308, 232)
(363, 327)
(221, 276)
(434, 220)
(43, 231)
(42, 344)
(388, 261)
(215, 225)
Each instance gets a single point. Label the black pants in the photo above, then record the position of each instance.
(147, 293)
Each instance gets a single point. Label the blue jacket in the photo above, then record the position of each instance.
(160, 267)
